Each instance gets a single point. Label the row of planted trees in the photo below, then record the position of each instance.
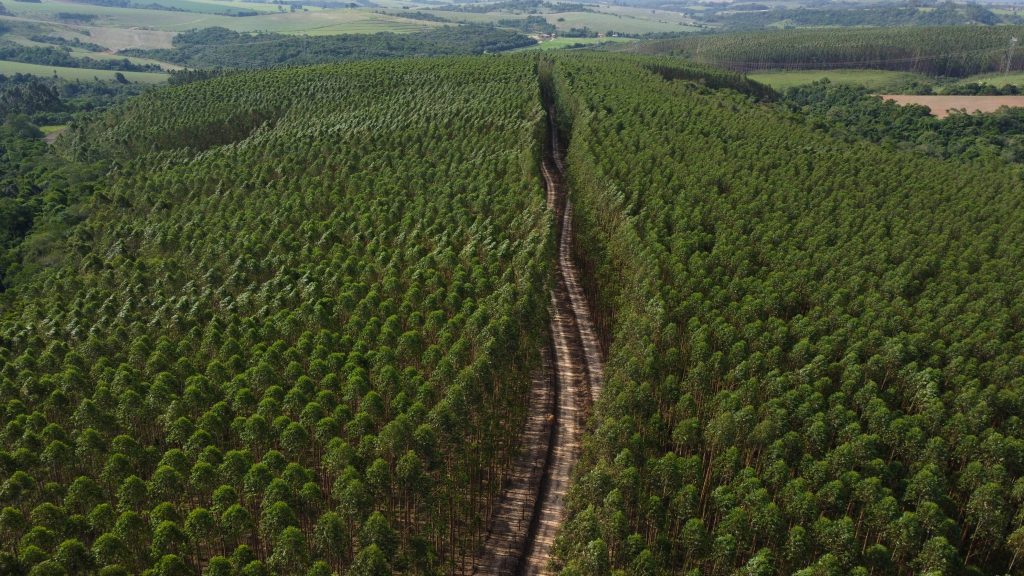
(935, 50)
(295, 345)
(814, 363)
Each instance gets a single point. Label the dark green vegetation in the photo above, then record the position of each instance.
(851, 110)
(60, 41)
(39, 190)
(291, 334)
(54, 101)
(291, 329)
(940, 51)
(219, 47)
(894, 14)
(814, 353)
(530, 24)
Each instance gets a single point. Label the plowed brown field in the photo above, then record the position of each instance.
(942, 105)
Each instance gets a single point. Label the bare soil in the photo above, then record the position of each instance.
(532, 508)
(941, 106)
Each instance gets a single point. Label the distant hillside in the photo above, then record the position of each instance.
(222, 48)
(940, 51)
(884, 14)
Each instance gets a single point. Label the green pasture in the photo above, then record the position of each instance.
(565, 42)
(873, 79)
(1014, 78)
(7, 68)
(335, 21)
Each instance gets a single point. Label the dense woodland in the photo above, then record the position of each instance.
(297, 351)
(815, 363)
(38, 189)
(852, 110)
(940, 51)
(222, 48)
(285, 322)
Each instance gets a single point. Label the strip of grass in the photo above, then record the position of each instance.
(560, 43)
(1014, 78)
(7, 68)
(873, 79)
(345, 20)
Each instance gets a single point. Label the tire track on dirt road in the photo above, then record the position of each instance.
(532, 508)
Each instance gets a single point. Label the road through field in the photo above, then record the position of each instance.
(532, 508)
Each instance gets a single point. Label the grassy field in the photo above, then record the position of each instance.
(874, 79)
(346, 20)
(880, 80)
(8, 67)
(648, 14)
(619, 19)
(50, 133)
(1015, 78)
(644, 13)
(601, 22)
(474, 17)
(559, 43)
(217, 6)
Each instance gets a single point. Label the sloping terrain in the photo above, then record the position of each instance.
(815, 362)
(936, 50)
(293, 331)
(300, 329)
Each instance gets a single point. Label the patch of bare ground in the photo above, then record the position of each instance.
(124, 38)
(942, 106)
(532, 507)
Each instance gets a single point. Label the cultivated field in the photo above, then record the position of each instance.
(600, 22)
(121, 38)
(624, 20)
(346, 20)
(566, 42)
(942, 105)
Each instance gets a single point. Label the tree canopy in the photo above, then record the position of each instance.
(814, 354)
(290, 334)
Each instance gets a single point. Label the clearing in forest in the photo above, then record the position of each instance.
(941, 106)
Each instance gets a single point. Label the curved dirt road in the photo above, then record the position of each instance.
(579, 369)
(532, 507)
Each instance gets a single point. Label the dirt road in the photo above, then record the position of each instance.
(532, 508)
